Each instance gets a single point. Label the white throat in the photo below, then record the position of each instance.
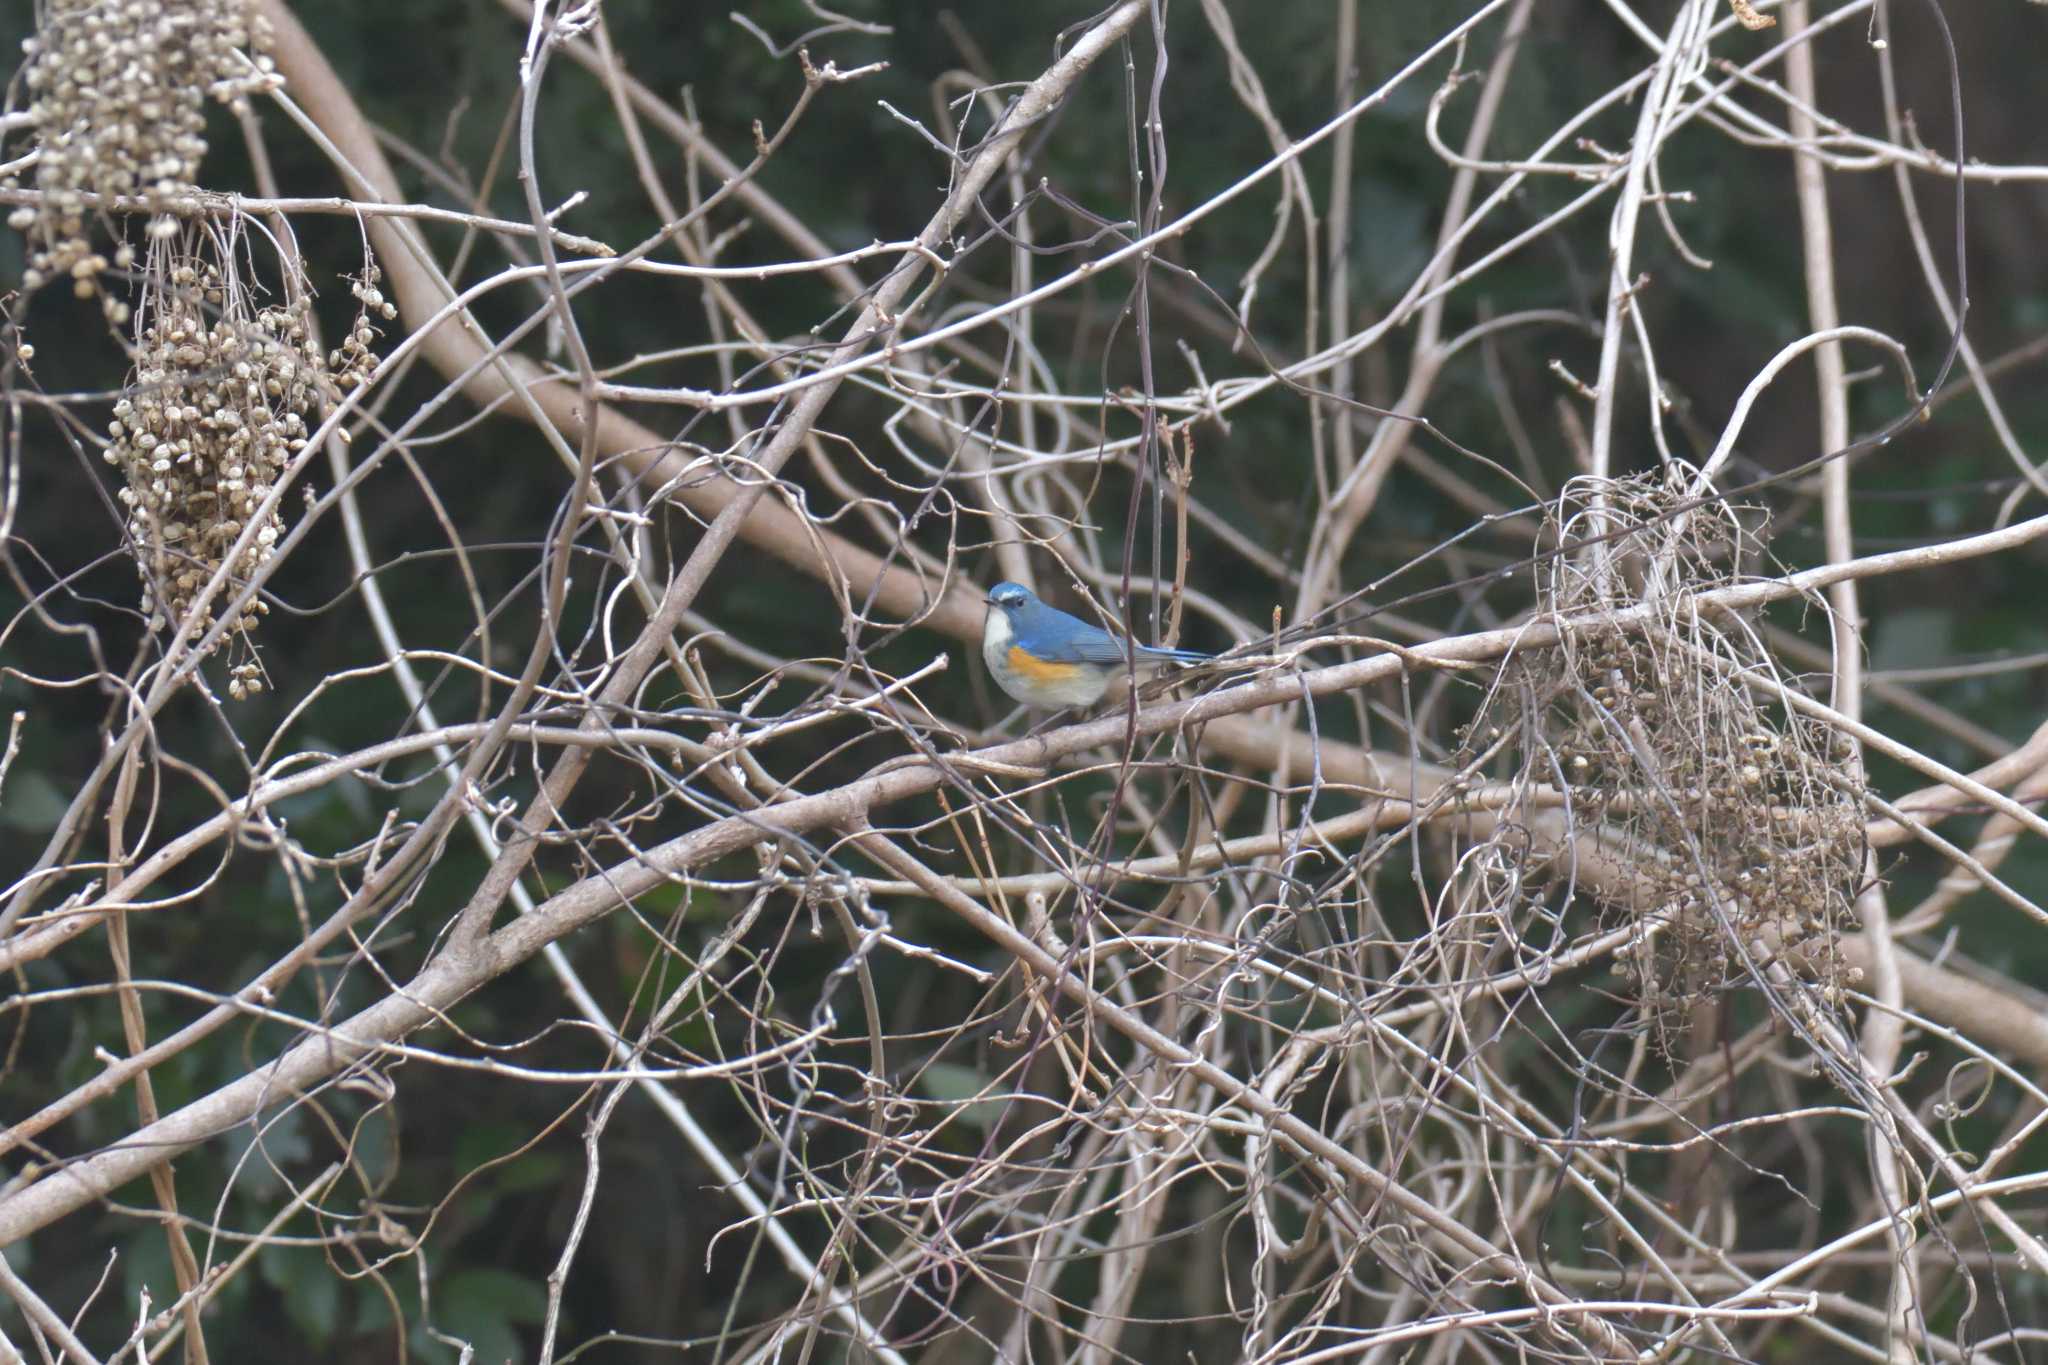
(996, 637)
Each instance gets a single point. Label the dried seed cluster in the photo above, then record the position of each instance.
(353, 363)
(117, 93)
(1739, 823)
(215, 411)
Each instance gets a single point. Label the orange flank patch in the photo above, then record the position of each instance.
(1038, 671)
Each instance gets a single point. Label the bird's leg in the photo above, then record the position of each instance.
(1053, 721)
(1001, 729)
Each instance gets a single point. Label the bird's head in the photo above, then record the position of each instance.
(1009, 596)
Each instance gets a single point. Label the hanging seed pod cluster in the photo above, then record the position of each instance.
(117, 95)
(216, 409)
(1735, 825)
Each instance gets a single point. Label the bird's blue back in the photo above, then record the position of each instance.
(1052, 635)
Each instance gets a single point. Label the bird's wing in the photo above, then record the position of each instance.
(1058, 638)
(1083, 647)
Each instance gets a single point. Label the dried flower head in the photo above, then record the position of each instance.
(215, 411)
(117, 91)
(1733, 825)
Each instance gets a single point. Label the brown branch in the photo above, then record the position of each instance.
(456, 349)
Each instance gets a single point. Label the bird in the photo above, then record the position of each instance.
(1043, 657)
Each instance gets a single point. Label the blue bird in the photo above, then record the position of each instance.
(1044, 657)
